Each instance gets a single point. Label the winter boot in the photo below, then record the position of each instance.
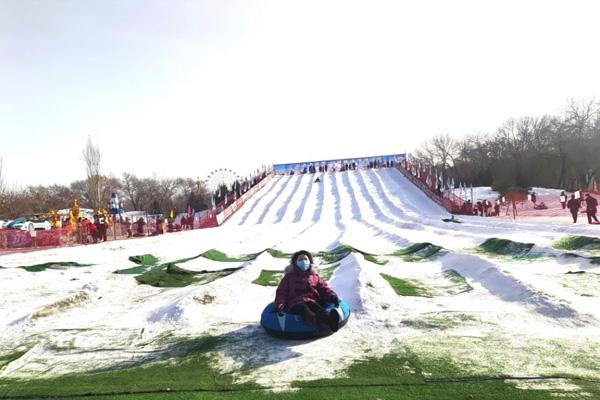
(333, 321)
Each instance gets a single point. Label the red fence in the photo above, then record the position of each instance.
(18, 240)
(446, 199)
(235, 205)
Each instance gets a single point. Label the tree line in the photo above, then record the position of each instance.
(555, 151)
(153, 195)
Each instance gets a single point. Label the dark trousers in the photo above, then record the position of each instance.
(574, 214)
(592, 215)
(310, 312)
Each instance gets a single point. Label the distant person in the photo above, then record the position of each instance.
(591, 207)
(573, 206)
(127, 224)
(497, 208)
(563, 200)
(140, 227)
(479, 206)
(302, 291)
(533, 198)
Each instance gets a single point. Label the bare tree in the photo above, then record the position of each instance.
(1, 181)
(2, 199)
(92, 158)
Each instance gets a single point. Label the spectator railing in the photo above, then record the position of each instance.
(446, 199)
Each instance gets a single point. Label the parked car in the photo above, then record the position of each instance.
(31, 223)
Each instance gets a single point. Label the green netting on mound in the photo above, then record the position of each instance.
(446, 283)
(272, 278)
(505, 247)
(406, 287)
(140, 269)
(53, 265)
(342, 251)
(216, 255)
(268, 278)
(419, 251)
(327, 273)
(170, 275)
(457, 284)
(279, 254)
(578, 242)
(144, 259)
(6, 359)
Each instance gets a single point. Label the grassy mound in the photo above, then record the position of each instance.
(272, 278)
(582, 283)
(342, 251)
(216, 255)
(53, 265)
(406, 287)
(144, 259)
(446, 283)
(268, 278)
(505, 247)
(170, 275)
(419, 251)
(327, 273)
(279, 254)
(578, 242)
(10, 357)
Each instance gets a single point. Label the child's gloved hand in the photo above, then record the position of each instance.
(335, 301)
(279, 308)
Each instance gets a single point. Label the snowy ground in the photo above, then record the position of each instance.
(523, 316)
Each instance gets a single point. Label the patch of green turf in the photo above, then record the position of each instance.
(595, 260)
(140, 269)
(440, 321)
(170, 275)
(406, 287)
(505, 247)
(216, 255)
(268, 278)
(327, 273)
(272, 278)
(144, 259)
(185, 370)
(446, 283)
(342, 251)
(419, 252)
(10, 357)
(458, 283)
(582, 283)
(279, 254)
(578, 242)
(53, 265)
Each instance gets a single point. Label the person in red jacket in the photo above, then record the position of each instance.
(303, 292)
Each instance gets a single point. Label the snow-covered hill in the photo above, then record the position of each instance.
(75, 319)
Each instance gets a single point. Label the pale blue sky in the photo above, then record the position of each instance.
(163, 87)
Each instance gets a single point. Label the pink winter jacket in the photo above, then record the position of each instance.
(298, 287)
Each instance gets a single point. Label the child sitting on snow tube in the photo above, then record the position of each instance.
(303, 292)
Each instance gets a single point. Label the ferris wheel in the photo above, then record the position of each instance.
(220, 177)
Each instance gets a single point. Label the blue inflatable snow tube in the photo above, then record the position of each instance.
(291, 326)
